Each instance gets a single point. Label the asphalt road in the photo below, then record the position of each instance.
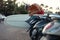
(8, 32)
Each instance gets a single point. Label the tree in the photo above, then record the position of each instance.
(50, 8)
(23, 10)
(42, 5)
(1, 6)
(8, 7)
(46, 6)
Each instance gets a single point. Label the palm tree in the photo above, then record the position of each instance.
(42, 5)
(50, 8)
(46, 6)
(57, 8)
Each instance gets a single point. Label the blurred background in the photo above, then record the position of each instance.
(10, 27)
(11, 7)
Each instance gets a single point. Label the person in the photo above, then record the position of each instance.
(35, 10)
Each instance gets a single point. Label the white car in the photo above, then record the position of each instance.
(2, 17)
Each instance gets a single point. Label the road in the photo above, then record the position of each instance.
(8, 32)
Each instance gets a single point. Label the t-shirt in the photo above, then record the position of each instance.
(40, 12)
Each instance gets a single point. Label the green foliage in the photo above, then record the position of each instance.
(21, 10)
(7, 8)
(10, 8)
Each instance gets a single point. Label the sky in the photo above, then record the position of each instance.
(51, 3)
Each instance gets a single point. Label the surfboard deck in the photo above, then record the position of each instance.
(17, 20)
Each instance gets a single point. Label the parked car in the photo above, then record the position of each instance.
(2, 17)
(52, 30)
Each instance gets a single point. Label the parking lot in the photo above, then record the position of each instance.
(10, 33)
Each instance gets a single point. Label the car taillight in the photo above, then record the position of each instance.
(49, 25)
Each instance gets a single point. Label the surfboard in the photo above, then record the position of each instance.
(17, 20)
